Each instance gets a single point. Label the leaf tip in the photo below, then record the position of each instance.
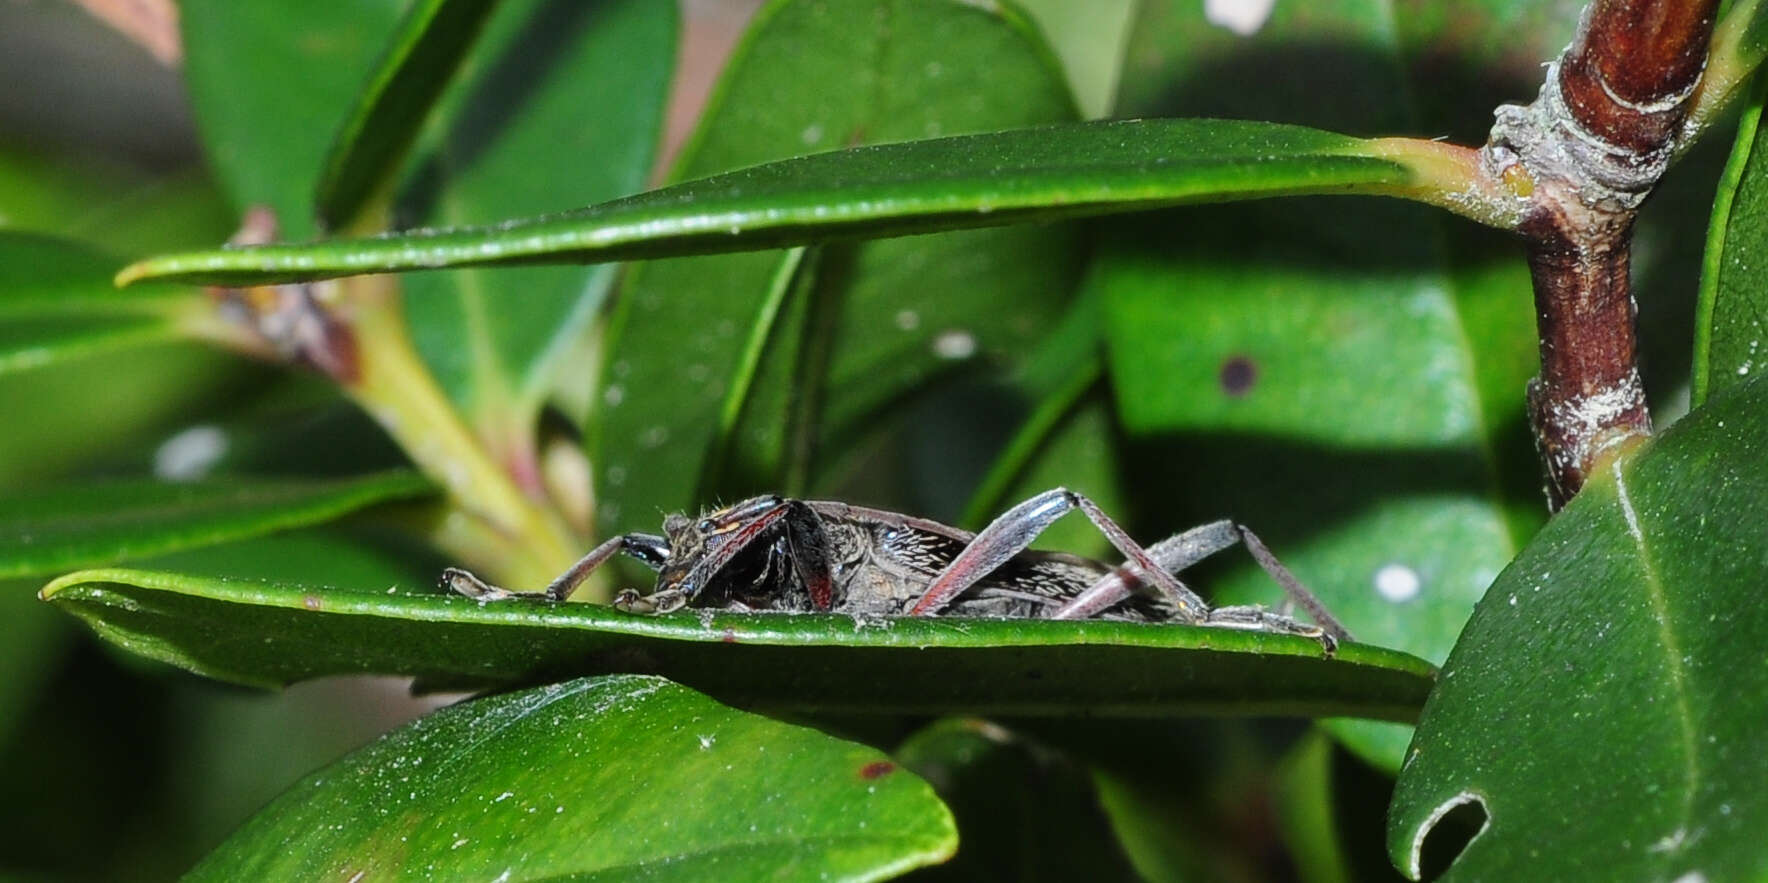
(55, 586)
(132, 274)
(67, 581)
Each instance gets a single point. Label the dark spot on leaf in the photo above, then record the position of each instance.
(311, 602)
(1238, 375)
(730, 636)
(877, 769)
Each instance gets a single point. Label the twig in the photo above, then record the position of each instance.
(1594, 143)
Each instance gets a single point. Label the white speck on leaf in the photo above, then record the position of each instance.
(955, 344)
(190, 454)
(1243, 17)
(1397, 582)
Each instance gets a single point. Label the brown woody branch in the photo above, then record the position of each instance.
(1594, 143)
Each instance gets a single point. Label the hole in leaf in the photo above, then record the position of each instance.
(1445, 835)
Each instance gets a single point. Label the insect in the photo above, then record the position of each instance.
(772, 553)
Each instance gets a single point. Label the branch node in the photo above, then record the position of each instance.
(1585, 154)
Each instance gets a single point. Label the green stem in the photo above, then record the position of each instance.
(398, 390)
(1453, 177)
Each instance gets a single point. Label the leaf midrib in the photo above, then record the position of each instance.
(1676, 671)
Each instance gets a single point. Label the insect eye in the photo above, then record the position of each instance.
(706, 525)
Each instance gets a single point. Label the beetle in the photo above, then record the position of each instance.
(773, 553)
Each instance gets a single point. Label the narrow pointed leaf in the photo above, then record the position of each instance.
(987, 180)
(1740, 41)
(1605, 703)
(176, 211)
(1024, 813)
(125, 211)
(1090, 38)
(26, 346)
(119, 403)
(63, 527)
(1731, 328)
(1067, 438)
(1337, 375)
(48, 191)
(414, 68)
(270, 83)
(267, 633)
(559, 105)
(708, 397)
(47, 277)
(624, 777)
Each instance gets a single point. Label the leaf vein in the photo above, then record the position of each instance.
(1675, 669)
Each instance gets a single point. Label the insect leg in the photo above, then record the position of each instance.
(810, 554)
(1258, 619)
(1173, 554)
(1014, 531)
(652, 550)
(1292, 586)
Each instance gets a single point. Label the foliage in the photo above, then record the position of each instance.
(929, 255)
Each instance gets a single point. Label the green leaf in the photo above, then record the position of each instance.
(1331, 807)
(1090, 38)
(276, 633)
(58, 308)
(345, 552)
(775, 386)
(120, 209)
(270, 83)
(50, 191)
(1186, 799)
(1732, 318)
(414, 68)
(182, 210)
(1067, 439)
(1335, 375)
(986, 180)
(559, 105)
(46, 277)
(1605, 703)
(716, 396)
(1462, 58)
(1305, 812)
(595, 779)
(31, 655)
(26, 346)
(1024, 812)
(67, 526)
(121, 402)
(1740, 41)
